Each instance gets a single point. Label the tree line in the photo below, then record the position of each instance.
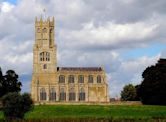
(152, 90)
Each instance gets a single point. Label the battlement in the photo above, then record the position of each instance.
(44, 22)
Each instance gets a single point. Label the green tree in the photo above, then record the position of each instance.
(129, 93)
(152, 90)
(9, 82)
(16, 105)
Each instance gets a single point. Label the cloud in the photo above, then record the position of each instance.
(6, 7)
(109, 36)
(129, 71)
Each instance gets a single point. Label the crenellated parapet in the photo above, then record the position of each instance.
(44, 22)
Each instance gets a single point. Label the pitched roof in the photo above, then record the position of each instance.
(79, 69)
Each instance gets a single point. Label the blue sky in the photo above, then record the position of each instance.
(11, 1)
(86, 30)
(150, 51)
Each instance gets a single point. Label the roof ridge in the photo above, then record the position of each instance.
(80, 68)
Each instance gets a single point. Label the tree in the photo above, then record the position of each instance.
(129, 93)
(16, 105)
(152, 90)
(9, 82)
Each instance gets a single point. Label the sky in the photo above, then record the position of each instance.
(123, 36)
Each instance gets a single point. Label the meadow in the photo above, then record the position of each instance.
(96, 112)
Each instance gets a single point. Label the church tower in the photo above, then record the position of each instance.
(44, 50)
(44, 57)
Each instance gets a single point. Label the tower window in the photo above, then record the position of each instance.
(51, 30)
(44, 30)
(47, 56)
(38, 30)
(41, 56)
(44, 56)
(45, 66)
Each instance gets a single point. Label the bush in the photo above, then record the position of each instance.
(16, 105)
(129, 93)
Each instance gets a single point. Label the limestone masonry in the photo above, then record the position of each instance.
(53, 84)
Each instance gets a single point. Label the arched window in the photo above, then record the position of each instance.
(51, 36)
(44, 56)
(47, 56)
(61, 79)
(45, 66)
(44, 30)
(90, 79)
(80, 79)
(72, 95)
(82, 94)
(52, 94)
(38, 30)
(98, 79)
(71, 79)
(62, 96)
(43, 95)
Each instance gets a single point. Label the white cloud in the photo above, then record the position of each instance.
(21, 63)
(14, 59)
(129, 71)
(109, 35)
(6, 7)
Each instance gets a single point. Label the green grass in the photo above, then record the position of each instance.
(96, 111)
(85, 111)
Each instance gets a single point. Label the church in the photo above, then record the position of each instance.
(53, 84)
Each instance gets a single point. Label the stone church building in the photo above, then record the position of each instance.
(53, 84)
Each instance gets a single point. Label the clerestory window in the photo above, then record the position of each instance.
(61, 79)
(98, 79)
(80, 79)
(90, 79)
(71, 78)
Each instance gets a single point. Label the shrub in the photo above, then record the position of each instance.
(16, 105)
(129, 93)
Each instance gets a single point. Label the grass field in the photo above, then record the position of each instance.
(96, 111)
(82, 111)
